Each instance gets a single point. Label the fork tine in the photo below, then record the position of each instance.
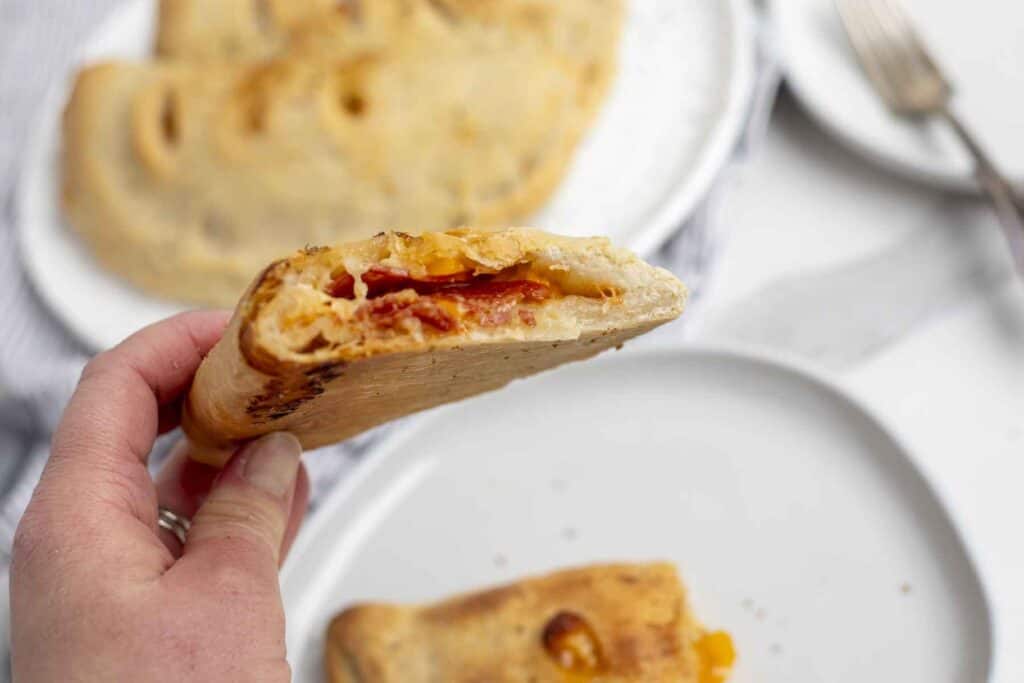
(896, 57)
(879, 52)
(893, 55)
(867, 40)
(909, 36)
(921, 80)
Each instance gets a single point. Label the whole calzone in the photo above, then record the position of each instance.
(184, 177)
(621, 623)
(334, 341)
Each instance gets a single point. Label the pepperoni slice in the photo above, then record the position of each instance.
(381, 280)
(389, 311)
(489, 302)
(522, 290)
(342, 287)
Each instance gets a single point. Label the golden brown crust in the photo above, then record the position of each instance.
(263, 376)
(601, 624)
(184, 178)
(232, 29)
(585, 32)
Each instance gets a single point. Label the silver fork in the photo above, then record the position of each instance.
(904, 74)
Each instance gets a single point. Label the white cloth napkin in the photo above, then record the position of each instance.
(40, 362)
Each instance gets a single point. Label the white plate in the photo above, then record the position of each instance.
(799, 523)
(978, 43)
(677, 108)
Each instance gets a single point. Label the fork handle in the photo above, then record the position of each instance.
(1008, 204)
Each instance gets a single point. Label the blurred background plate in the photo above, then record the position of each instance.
(979, 44)
(675, 112)
(798, 522)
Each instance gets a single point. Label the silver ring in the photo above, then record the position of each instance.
(174, 523)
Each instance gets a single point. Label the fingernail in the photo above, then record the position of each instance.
(272, 463)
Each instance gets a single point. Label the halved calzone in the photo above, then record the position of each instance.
(334, 341)
(602, 624)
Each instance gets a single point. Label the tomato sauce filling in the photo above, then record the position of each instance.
(440, 301)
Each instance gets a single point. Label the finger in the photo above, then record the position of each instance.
(170, 415)
(300, 503)
(238, 533)
(96, 499)
(181, 487)
(108, 429)
(183, 484)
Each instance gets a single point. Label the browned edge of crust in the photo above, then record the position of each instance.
(263, 289)
(350, 625)
(166, 17)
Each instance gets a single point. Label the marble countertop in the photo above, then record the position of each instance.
(949, 377)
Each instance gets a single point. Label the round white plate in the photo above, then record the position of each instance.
(798, 522)
(675, 112)
(979, 44)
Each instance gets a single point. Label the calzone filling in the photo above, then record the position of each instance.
(326, 309)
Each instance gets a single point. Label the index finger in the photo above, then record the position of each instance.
(103, 442)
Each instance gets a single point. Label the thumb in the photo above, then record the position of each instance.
(243, 521)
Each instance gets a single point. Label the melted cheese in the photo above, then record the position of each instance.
(716, 654)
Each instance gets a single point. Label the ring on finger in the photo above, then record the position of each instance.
(174, 523)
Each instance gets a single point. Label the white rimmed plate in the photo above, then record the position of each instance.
(977, 43)
(677, 108)
(798, 521)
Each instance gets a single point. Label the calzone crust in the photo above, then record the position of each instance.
(271, 124)
(333, 341)
(602, 624)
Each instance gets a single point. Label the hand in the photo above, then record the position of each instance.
(97, 593)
